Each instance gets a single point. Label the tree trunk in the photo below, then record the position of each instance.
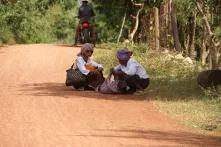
(203, 51)
(186, 42)
(164, 24)
(157, 32)
(214, 50)
(131, 35)
(193, 30)
(122, 25)
(174, 27)
(169, 22)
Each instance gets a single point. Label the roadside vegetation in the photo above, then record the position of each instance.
(37, 21)
(173, 86)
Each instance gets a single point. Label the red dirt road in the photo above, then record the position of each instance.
(37, 110)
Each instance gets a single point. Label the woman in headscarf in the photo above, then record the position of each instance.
(129, 71)
(89, 68)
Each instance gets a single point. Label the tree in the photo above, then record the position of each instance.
(123, 22)
(174, 25)
(215, 46)
(136, 18)
(191, 52)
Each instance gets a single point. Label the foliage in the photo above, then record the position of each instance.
(32, 21)
(37, 21)
(217, 33)
(108, 25)
(5, 32)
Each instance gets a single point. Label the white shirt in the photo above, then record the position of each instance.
(80, 63)
(133, 68)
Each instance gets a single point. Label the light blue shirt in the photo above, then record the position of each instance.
(133, 68)
(80, 63)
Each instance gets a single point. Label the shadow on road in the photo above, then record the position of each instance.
(164, 137)
(60, 90)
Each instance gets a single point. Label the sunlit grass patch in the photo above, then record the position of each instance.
(106, 57)
(204, 113)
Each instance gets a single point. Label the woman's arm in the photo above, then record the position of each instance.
(81, 65)
(95, 64)
(130, 69)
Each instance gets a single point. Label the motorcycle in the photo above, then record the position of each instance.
(86, 35)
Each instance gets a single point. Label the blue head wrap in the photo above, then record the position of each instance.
(123, 54)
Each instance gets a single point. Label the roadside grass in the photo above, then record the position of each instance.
(173, 86)
(203, 113)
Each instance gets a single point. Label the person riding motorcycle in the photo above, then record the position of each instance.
(85, 13)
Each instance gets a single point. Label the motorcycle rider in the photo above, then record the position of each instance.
(85, 13)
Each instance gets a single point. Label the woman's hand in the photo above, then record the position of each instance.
(119, 72)
(99, 69)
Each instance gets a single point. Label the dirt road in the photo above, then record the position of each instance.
(37, 110)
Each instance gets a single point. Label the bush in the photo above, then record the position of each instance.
(5, 31)
(33, 21)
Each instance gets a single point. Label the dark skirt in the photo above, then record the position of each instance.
(133, 83)
(92, 82)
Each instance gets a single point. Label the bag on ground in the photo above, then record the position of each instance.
(110, 86)
(74, 76)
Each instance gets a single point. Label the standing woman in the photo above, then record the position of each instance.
(131, 72)
(89, 68)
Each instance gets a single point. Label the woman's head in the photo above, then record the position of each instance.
(123, 55)
(87, 50)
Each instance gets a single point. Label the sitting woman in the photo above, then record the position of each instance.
(129, 71)
(89, 68)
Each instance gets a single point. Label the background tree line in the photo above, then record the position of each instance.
(37, 21)
(190, 27)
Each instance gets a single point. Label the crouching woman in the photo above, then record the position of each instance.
(89, 68)
(131, 72)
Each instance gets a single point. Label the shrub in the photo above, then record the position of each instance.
(5, 32)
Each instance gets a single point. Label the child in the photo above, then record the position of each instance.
(131, 72)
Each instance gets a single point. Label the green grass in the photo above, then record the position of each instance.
(204, 114)
(173, 86)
